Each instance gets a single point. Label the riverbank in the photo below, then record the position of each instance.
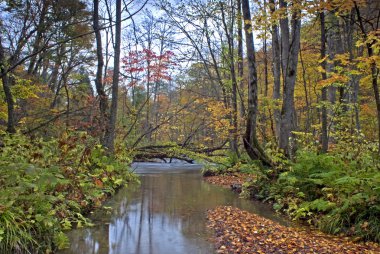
(237, 231)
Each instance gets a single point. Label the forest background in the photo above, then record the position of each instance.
(87, 86)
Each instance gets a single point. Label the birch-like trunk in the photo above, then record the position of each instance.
(103, 99)
(290, 45)
(110, 134)
(251, 143)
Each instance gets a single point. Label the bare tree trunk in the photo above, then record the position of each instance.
(147, 119)
(334, 47)
(374, 70)
(214, 62)
(7, 90)
(234, 132)
(324, 135)
(40, 30)
(103, 100)
(251, 143)
(10, 104)
(240, 65)
(307, 100)
(265, 114)
(276, 71)
(354, 81)
(265, 51)
(109, 139)
(290, 45)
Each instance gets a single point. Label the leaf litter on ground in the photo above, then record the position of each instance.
(227, 181)
(238, 231)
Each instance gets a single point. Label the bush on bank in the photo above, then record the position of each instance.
(46, 187)
(339, 192)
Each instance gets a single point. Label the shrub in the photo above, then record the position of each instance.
(339, 191)
(47, 186)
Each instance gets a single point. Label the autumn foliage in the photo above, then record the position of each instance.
(239, 231)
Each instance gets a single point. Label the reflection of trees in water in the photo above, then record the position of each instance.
(88, 241)
(181, 201)
(165, 207)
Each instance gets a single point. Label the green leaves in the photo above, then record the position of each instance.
(338, 192)
(47, 186)
(1, 234)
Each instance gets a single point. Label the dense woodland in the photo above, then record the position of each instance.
(287, 90)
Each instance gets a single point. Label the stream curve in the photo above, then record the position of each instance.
(166, 213)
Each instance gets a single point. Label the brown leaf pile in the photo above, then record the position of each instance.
(238, 231)
(228, 180)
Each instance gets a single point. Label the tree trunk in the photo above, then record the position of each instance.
(354, 81)
(251, 143)
(290, 45)
(307, 98)
(276, 72)
(324, 136)
(40, 31)
(374, 71)
(234, 132)
(240, 65)
(7, 90)
(334, 46)
(103, 100)
(109, 139)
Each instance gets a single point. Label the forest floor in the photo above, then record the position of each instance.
(227, 181)
(238, 231)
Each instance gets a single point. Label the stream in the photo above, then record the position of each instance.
(164, 214)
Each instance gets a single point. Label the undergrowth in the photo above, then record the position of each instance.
(46, 187)
(339, 191)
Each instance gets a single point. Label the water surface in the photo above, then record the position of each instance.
(165, 214)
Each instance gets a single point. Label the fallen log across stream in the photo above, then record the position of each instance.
(167, 153)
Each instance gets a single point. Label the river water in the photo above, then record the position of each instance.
(165, 214)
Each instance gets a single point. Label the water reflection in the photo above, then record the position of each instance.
(165, 214)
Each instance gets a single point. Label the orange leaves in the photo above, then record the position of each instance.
(227, 180)
(238, 231)
(335, 79)
(368, 110)
(98, 183)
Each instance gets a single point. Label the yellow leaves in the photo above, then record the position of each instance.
(218, 117)
(355, 72)
(335, 79)
(343, 59)
(207, 139)
(247, 21)
(24, 89)
(3, 114)
(320, 69)
(341, 6)
(372, 39)
(24, 92)
(364, 64)
(323, 59)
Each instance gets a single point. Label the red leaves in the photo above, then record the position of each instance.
(238, 231)
(140, 61)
